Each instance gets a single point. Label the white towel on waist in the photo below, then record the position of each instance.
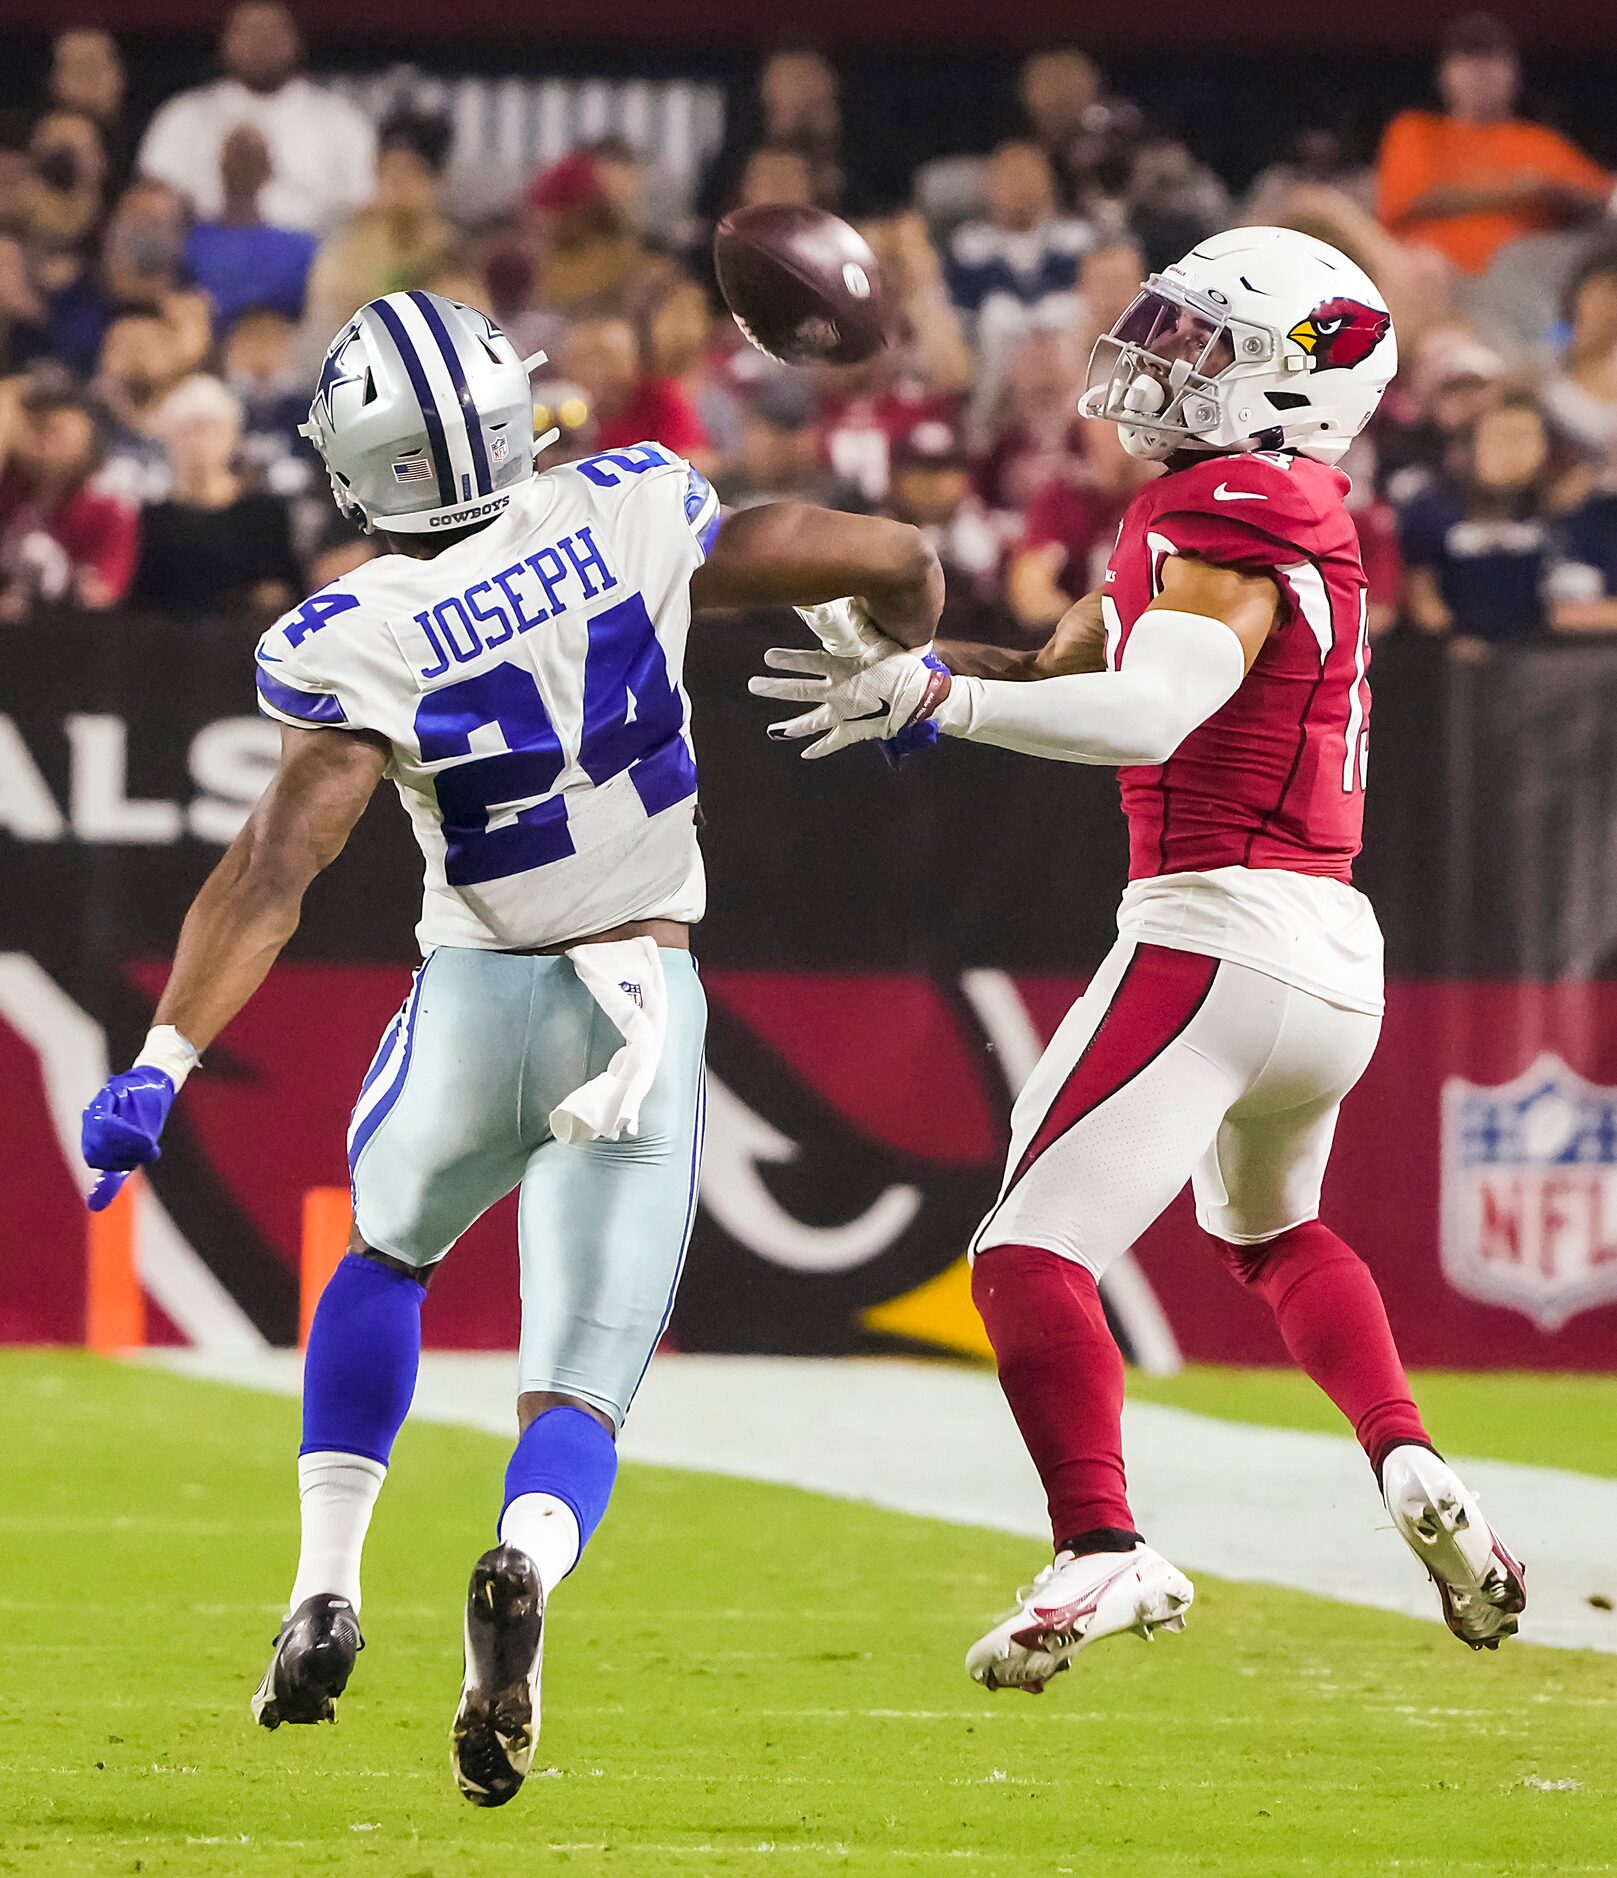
(624, 977)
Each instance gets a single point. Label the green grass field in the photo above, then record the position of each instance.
(743, 1679)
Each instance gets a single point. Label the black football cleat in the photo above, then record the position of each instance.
(313, 1659)
(497, 1724)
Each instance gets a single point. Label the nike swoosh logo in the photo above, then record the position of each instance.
(881, 710)
(1224, 493)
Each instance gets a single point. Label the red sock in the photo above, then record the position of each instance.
(1334, 1324)
(1062, 1374)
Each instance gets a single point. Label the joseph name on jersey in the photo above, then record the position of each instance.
(1241, 844)
(528, 681)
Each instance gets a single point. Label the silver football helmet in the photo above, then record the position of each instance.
(423, 415)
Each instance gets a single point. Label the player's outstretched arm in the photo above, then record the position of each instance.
(247, 910)
(1184, 659)
(1078, 644)
(795, 554)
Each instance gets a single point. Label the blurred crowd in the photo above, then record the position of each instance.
(167, 290)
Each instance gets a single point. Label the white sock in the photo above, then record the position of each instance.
(337, 1493)
(547, 1530)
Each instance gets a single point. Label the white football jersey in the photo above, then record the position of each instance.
(529, 683)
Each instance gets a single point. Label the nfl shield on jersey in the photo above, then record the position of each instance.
(1530, 1192)
(528, 681)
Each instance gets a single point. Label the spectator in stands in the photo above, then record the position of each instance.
(1472, 177)
(1580, 396)
(23, 335)
(1477, 545)
(587, 256)
(70, 160)
(1059, 90)
(400, 239)
(776, 173)
(778, 457)
(796, 107)
(1025, 254)
(322, 149)
(928, 328)
(337, 550)
(1450, 380)
(87, 75)
(1317, 158)
(212, 546)
(1068, 529)
(239, 260)
(1172, 200)
(259, 362)
(1037, 436)
(1583, 582)
(932, 490)
(1109, 276)
(142, 359)
(62, 540)
(680, 348)
(627, 404)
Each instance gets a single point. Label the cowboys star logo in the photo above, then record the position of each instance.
(1341, 332)
(332, 374)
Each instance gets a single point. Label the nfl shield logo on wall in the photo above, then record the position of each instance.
(1530, 1192)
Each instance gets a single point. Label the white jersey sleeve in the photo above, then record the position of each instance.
(529, 680)
(296, 684)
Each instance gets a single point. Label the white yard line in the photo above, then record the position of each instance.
(1267, 1505)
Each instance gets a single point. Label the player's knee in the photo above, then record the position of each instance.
(1025, 1295)
(1260, 1265)
(533, 1403)
(422, 1274)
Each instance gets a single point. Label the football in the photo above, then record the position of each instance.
(803, 286)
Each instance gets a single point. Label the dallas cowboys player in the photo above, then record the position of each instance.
(513, 666)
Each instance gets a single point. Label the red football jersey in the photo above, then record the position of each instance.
(1275, 778)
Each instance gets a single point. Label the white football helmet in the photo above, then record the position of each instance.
(423, 416)
(1259, 339)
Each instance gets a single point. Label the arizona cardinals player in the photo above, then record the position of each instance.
(1222, 667)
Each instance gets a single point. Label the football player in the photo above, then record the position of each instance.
(512, 665)
(1222, 667)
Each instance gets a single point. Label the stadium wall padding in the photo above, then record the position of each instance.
(882, 955)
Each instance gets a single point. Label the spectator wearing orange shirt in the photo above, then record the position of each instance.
(1470, 178)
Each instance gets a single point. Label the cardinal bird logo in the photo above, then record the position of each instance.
(1341, 332)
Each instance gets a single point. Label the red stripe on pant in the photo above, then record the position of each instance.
(1160, 991)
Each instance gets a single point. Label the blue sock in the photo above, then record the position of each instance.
(567, 1454)
(360, 1368)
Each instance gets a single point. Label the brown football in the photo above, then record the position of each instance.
(802, 284)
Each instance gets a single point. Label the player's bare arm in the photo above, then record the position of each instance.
(795, 554)
(250, 904)
(247, 910)
(1078, 644)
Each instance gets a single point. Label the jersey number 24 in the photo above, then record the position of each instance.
(645, 738)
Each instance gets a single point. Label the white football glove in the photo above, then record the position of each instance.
(845, 628)
(855, 699)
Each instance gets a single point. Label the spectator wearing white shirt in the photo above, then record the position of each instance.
(322, 149)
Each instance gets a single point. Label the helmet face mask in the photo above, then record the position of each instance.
(1260, 338)
(423, 416)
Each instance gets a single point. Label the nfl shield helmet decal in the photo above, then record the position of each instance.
(1530, 1192)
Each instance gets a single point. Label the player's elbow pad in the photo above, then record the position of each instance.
(1178, 669)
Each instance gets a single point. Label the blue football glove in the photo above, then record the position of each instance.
(121, 1126)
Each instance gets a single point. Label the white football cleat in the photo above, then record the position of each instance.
(1073, 1603)
(1482, 1585)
